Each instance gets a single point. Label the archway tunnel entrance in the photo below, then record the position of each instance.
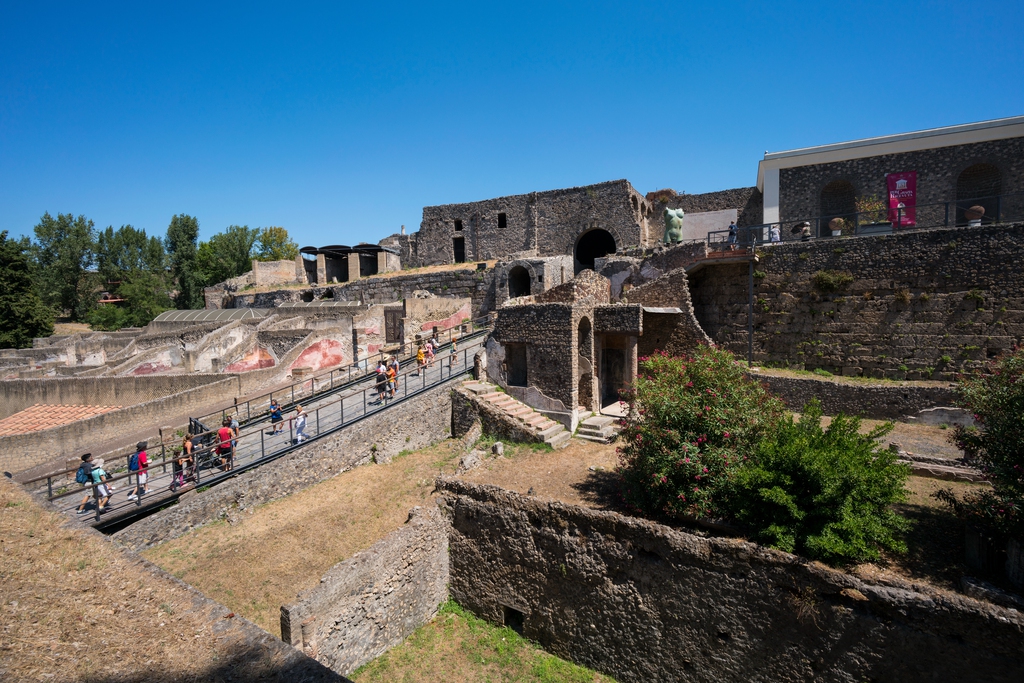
(518, 282)
(593, 245)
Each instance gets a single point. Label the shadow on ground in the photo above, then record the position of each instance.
(601, 489)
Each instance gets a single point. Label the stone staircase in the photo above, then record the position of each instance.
(549, 431)
(599, 428)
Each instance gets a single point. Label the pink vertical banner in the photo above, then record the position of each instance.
(902, 197)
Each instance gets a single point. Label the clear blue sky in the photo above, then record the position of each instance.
(341, 122)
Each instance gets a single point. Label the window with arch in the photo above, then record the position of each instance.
(518, 282)
(978, 185)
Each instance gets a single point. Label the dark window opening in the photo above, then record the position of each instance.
(307, 296)
(393, 326)
(458, 226)
(978, 185)
(838, 200)
(459, 247)
(502, 221)
(515, 362)
(593, 245)
(518, 282)
(513, 619)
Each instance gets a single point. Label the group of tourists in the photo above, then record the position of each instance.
(774, 233)
(91, 473)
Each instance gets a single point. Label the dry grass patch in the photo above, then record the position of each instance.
(285, 546)
(458, 646)
(75, 608)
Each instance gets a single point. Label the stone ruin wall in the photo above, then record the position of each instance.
(645, 602)
(915, 298)
(537, 224)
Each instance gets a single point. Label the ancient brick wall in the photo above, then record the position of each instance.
(549, 333)
(748, 202)
(672, 333)
(375, 599)
(875, 401)
(644, 602)
(535, 224)
(913, 305)
(937, 173)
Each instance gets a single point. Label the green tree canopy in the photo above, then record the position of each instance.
(23, 315)
(126, 250)
(227, 254)
(64, 253)
(276, 245)
(182, 238)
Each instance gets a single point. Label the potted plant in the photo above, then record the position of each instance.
(872, 215)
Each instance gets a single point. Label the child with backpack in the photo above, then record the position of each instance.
(139, 463)
(84, 477)
(99, 482)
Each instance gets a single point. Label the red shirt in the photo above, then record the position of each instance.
(225, 435)
(143, 462)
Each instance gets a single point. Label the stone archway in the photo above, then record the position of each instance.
(518, 282)
(592, 245)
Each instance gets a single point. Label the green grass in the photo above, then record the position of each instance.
(458, 646)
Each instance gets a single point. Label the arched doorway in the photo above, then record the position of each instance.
(585, 351)
(838, 200)
(518, 282)
(978, 185)
(593, 245)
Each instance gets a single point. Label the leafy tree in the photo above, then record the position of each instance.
(23, 315)
(692, 421)
(182, 235)
(227, 254)
(276, 245)
(996, 399)
(826, 494)
(126, 250)
(135, 266)
(64, 253)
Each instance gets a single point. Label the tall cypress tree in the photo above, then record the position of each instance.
(22, 313)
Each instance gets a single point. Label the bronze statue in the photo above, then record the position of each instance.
(673, 226)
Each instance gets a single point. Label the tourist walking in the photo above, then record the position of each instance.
(225, 451)
(732, 236)
(430, 353)
(775, 234)
(453, 357)
(276, 418)
(381, 384)
(139, 463)
(100, 486)
(392, 379)
(84, 477)
(421, 359)
(300, 424)
(235, 428)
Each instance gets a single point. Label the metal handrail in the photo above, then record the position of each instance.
(325, 419)
(747, 236)
(349, 380)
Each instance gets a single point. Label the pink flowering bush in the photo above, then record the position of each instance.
(692, 421)
(996, 446)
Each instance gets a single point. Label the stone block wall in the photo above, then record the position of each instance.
(644, 602)
(875, 401)
(536, 224)
(675, 334)
(937, 172)
(747, 201)
(375, 599)
(424, 419)
(914, 305)
(549, 333)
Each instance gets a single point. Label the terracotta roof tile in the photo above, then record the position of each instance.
(42, 416)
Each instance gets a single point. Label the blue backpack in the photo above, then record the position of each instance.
(133, 463)
(80, 476)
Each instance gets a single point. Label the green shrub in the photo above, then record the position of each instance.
(822, 371)
(831, 280)
(996, 399)
(826, 494)
(691, 421)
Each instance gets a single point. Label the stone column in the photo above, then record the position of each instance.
(631, 359)
(382, 261)
(321, 270)
(353, 266)
(300, 269)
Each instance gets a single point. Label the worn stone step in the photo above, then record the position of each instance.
(602, 433)
(595, 439)
(598, 421)
(535, 419)
(479, 388)
(559, 440)
(548, 432)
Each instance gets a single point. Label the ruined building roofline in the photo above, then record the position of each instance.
(543, 193)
